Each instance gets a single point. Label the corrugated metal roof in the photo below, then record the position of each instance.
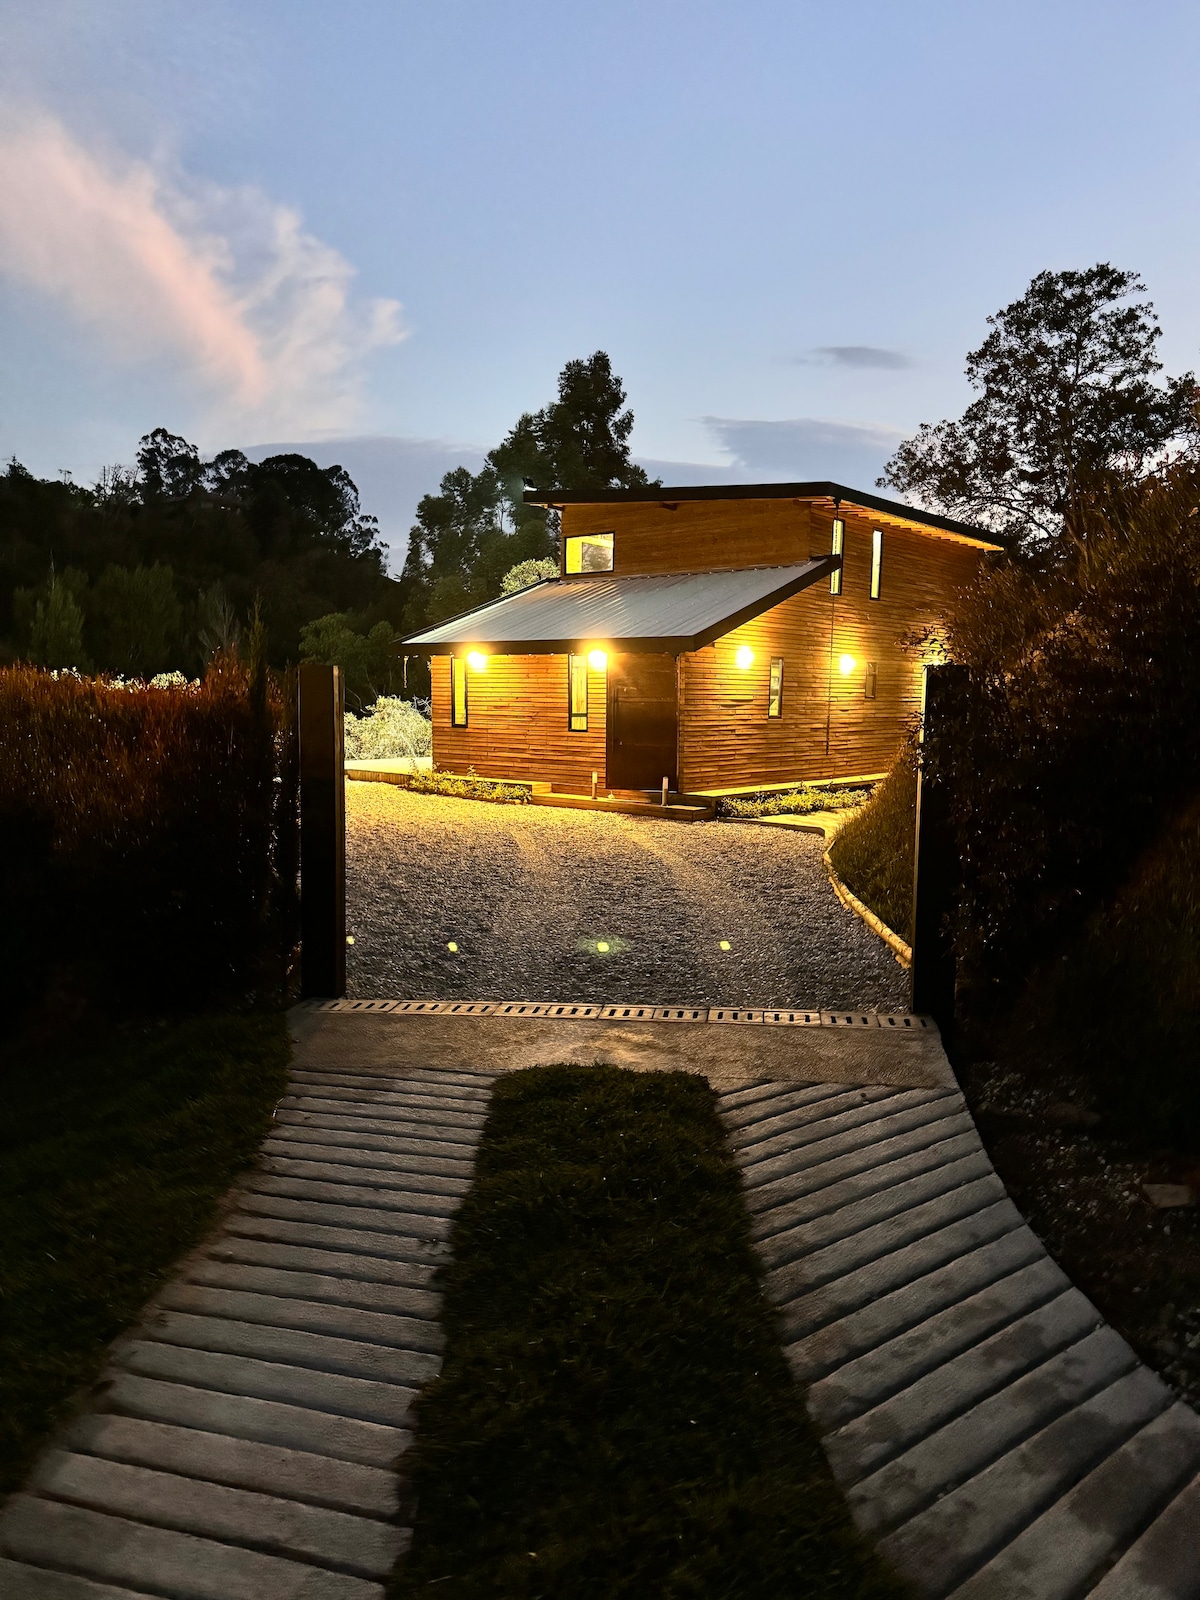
(671, 611)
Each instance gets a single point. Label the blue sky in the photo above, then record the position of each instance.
(379, 229)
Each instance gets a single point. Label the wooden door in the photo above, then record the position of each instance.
(643, 722)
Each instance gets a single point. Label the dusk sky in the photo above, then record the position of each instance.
(378, 230)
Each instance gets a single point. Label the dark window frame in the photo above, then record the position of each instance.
(775, 689)
(577, 668)
(459, 671)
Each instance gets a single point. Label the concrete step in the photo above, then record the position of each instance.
(301, 1427)
(421, 1254)
(809, 1109)
(865, 1381)
(745, 1109)
(447, 1087)
(836, 1261)
(282, 1312)
(808, 1176)
(343, 1265)
(381, 1174)
(1069, 1545)
(310, 1477)
(161, 1561)
(409, 1226)
(349, 1151)
(21, 1582)
(399, 1135)
(391, 1112)
(843, 1136)
(331, 1353)
(384, 1096)
(945, 1395)
(352, 1194)
(1161, 1563)
(316, 1286)
(944, 1544)
(251, 1520)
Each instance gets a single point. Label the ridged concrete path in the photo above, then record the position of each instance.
(994, 1437)
(245, 1439)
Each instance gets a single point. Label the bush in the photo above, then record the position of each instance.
(1074, 734)
(799, 802)
(147, 837)
(873, 851)
(391, 729)
(472, 787)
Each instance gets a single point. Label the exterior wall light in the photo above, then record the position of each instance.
(598, 660)
(477, 661)
(744, 657)
(846, 665)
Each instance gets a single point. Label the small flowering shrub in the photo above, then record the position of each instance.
(148, 840)
(391, 729)
(472, 787)
(799, 802)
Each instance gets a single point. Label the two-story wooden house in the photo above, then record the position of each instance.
(720, 638)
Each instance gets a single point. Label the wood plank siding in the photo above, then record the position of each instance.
(828, 728)
(517, 723)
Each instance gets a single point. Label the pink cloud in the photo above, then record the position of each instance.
(224, 282)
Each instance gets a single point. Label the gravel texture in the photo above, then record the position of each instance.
(529, 893)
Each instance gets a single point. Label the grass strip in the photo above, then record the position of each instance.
(873, 851)
(615, 1416)
(112, 1159)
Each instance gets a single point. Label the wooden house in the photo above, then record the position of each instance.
(721, 638)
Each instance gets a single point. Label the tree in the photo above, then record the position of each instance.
(526, 573)
(1068, 404)
(478, 527)
(134, 620)
(56, 633)
(368, 658)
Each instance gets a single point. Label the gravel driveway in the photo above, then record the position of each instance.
(530, 894)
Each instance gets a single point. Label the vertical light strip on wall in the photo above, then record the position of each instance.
(876, 562)
(577, 694)
(837, 549)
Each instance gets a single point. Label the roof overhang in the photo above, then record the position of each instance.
(665, 613)
(829, 495)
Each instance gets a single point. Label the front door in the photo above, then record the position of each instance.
(643, 722)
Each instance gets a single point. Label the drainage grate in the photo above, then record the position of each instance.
(850, 1019)
(681, 1013)
(566, 1013)
(725, 1014)
(524, 1008)
(629, 1013)
(903, 1019)
(469, 1008)
(794, 1019)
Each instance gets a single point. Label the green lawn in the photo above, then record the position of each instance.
(615, 1417)
(111, 1161)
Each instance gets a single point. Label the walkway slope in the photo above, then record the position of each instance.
(994, 1437)
(243, 1444)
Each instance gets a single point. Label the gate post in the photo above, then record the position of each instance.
(322, 832)
(936, 868)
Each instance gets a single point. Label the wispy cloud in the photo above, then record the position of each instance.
(855, 355)
(225, 282)
(805, 448)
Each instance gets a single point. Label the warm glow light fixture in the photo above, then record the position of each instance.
(597, 660)
(477, 661)
(846, 665)
(744, 657)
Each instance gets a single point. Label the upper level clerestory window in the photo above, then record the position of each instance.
(588, 552)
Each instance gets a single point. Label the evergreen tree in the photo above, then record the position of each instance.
(56, 633)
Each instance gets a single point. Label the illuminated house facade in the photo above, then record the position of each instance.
(721, 638)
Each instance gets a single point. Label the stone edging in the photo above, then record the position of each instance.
(578, 1011)
(901, 951)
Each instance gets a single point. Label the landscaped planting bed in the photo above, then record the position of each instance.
(615, 1416)
(113, 1157)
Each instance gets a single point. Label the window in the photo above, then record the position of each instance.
(588, 552)
(775, 688)
(869, 682)
(458, 692)
(577, 710)
(876, 562)
(837, 549)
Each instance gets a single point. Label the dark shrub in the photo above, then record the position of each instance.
(147, 837)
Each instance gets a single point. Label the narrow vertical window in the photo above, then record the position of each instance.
(837, 548)
(775, 688)
(876, 562)
(869, 682)
(458, 692)
(577, 694)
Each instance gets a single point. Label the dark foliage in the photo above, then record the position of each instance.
(1068, 402)
(151, 557)
(147, 838)
(873, 851)
(113, 1154)
(615, 1417)
(477, 527)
